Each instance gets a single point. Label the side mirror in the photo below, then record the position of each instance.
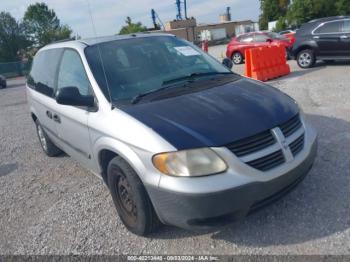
(227, 62)
(269, 40)
(70, 96)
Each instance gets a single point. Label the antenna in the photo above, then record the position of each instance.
(100, 55)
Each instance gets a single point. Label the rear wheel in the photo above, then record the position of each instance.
(46, 144)
(306, 58)
(130, 198)
(237, 58)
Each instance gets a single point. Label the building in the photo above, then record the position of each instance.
(191, 31)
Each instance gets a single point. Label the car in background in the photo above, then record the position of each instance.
(237, 46)
(326, 39)
(289, 34)
(3, 83)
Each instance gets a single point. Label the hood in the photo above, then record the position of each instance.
(216, 116)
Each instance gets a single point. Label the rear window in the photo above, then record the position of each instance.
(42, 76)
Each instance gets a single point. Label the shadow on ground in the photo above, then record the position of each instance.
(7, 169)
(317, 208)
(318, 66)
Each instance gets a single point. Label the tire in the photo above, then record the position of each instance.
(306, 58)
(130, 198)
(237, 58)
(288, 56)
(46, 144)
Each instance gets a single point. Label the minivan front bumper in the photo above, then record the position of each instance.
(208, 210)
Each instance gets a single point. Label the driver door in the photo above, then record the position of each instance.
(72, 121)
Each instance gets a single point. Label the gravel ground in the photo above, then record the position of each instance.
(54, 206)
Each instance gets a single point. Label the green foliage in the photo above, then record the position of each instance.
(281, 24)
(42, 25)
(131, 27)
(343, 7)
(296, 12)
(302, 11)
(272, 10)
(12, 38)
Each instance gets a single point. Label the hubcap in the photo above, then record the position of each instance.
(237, 58)
(42, 138)
(126, 197)
(305, 59)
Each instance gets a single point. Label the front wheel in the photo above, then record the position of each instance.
(130, 198)
(306, 58)
(237, 58)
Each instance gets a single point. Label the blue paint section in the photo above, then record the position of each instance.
(216, 116)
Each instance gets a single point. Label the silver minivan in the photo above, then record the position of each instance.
(177, 137)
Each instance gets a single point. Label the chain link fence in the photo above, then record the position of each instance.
(14, 69)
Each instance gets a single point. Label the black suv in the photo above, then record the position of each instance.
(325, 39)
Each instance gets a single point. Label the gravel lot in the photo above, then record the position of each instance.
(54, 206)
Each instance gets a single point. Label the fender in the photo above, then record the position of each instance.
(145, 169)
(305, 45)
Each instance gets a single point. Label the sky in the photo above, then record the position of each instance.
(109, 15)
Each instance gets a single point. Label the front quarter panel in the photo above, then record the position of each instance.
(120, 133)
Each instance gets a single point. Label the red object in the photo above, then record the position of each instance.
(256, 39)
(205, 46)
(291, 36)
(265, 63)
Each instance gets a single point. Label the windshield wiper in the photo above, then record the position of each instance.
(139, 97)
(193, 75)
(170, 84)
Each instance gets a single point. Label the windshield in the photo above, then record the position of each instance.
(144, 64)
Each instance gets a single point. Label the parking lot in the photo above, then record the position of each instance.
(54, 206)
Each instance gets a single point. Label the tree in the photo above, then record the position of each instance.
(301, 11)
(281, 24)
(43, 26)
(272, 10)
(343, 7)
(12, 38)
(131, 27)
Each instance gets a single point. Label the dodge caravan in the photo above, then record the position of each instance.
(177, 137)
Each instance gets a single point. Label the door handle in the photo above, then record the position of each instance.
(343, 37)
(316, 37)
(56, 118)
(49, 114)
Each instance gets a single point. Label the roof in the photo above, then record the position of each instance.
(99, 40)
(326, 19)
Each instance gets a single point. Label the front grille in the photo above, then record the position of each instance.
(252, 144)
(297, 145)
(268, 162)
(291, 126)
(262, 151)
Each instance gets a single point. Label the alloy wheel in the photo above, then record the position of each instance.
(237, 58)
(305, 59)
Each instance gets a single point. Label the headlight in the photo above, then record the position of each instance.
(194, 162)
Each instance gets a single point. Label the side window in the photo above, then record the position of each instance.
(246, 39)
(330, 28)
(260, 38)
(346, 26)
(43, 73)
(72, 73)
